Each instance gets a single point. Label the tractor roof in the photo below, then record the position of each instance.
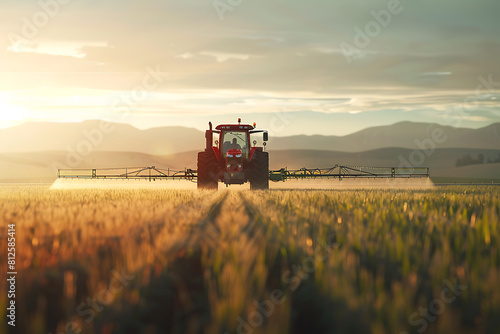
(234, 127)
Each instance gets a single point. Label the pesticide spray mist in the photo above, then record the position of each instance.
(61, 184)
(317, 184)
(388, 183)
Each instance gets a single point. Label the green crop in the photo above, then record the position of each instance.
(332, 261)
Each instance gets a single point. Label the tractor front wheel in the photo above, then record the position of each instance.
(259, 179)
(208, 171)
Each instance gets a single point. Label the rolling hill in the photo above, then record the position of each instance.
(97, 136)
(404, 135)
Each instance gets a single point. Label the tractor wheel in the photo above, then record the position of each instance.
(208, 171)
(259, 171)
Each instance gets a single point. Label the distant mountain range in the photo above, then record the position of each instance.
(32, 152)
(402, 135)
(42, 136)
(89, 135)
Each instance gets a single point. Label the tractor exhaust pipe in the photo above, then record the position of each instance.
(209, 136)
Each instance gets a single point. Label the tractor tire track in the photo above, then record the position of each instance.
(199, 269)
(224, 253)
(179, 292)
(206, 231)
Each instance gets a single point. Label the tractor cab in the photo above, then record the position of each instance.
(231, 137)
(236, 136)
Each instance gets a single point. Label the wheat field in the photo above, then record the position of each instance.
(279, 261)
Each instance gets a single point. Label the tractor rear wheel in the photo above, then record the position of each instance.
(208, 171)
(259, 171)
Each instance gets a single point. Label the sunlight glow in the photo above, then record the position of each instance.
(11, 115)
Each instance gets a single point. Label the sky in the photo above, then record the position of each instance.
(296, 67)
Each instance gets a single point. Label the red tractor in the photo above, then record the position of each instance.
(234, 159)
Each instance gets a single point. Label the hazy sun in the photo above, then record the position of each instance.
(11, 114)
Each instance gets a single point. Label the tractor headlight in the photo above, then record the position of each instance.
(229, 155)
(238, 155)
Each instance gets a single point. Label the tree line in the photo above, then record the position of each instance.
(467, 160)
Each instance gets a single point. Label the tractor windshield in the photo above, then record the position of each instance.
(234, 139)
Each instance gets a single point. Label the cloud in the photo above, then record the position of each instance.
(436, 73)
(261, 56)
(56, 48)
(185, 55)
(221, 57)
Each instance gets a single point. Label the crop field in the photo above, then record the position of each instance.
(279, 261)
